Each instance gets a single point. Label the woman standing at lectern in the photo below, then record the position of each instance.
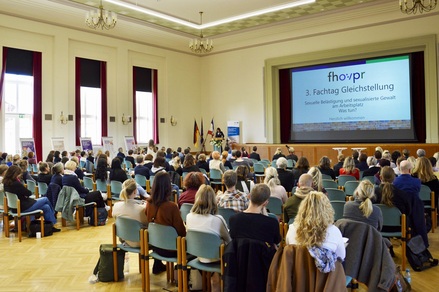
(219, 135)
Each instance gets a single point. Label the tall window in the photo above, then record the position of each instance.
(20, 88)
(145, 104)
(91, 100)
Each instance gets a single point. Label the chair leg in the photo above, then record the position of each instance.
(95, 210)
(42, 224)
(115, 272)
(63, 222)
(78, 217)
(146, 260)
(6, 224)
(19, 228)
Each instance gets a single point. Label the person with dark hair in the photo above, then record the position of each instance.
(158, 166)
(120, 154)
(325, 167)
(31, 158)
(189, 164)
(301, 167)
(191, 182)
(243, 184)
(202, 163)
(395, 155)
(101, 170)
(254, 154)
(362, 162)
(232, 198)
(406, 153)
(339, 165)
(141, 168)
(90, 156)
(161, 153)
(116, 171)
(44, 176)
(355, 156)
(130, 158)
(56, 157)
(162, 211)
(378, 155)
(11, 184)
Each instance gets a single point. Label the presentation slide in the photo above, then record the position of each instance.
(361, 95)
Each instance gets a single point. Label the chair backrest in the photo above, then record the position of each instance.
(425, 195)
(336, 195)
(88, 182)
(338, 207)
(162, 236)
(116, 188)
(226, 213)
(203, 244)
(265, 162)
(101, 185)
(128, 229)
(203, 171)
(329, 183)
(89, 166)
(35, 168)
(140, 179)
(12, 200)
(128, 164)
(350, 186)
(272, 215)
(31, 185)
(273, 163)
(326, 176)
(215, 174)
(82, 164)
(259, 168)
(290, 163)
(275, 205)
(151, 180)
(42, 188)
(185, 209)
(391, 215)
(183, 175)
(342, 179)
(370, 178)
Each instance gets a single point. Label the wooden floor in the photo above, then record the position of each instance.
(65, 261)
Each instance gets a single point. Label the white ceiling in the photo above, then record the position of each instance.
(153, 31)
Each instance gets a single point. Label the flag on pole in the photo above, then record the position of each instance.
(202, 132)
(196, 133)
(211, 129)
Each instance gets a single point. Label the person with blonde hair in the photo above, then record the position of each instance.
(216, 163)
(25, 175)
(317, 181)
(225, 160)
(129, 207)
(272, 181)
(349, 168)
(424, 171)
(313, 226)
(278, 154)
(362, 209)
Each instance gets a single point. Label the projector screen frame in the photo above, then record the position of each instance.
(426, 44)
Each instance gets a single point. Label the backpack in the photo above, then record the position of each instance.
(104, 266)
(35, 226)
(175, 178)
(102, 217)
(418, 255)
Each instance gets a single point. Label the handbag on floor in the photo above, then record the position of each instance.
(418, 255)
(104, 267)
(35, 226)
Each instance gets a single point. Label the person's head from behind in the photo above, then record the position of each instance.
(238, 154)
(303, 163)
(371, 161)
(216, 155)
(365, 192)
(159, 161)
(44, 167)
(363, 157)
(75, 159)
(161, 188)
(242, 172)
(349, 163)
(202, 157)
(305, 181)
(325, 162)
(224, 155)
(58, 168)
(12, 174)
(70, 165)
(255, 148)
(355, 155)
(205, 201)
(420, 153)
(278, 151)
(405, 167)
(317, 182)
(259, 195)
(340, 157)
(230, 178)
(189, 160)
(281, 163)
(313, 218)
(139, 159)
(193, 180)
(129, 190)
(116, 164)
(291, 150)
(378, 154)
(3, 169)
(23, 165)
(271, 177)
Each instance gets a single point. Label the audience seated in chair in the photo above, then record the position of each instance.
(254, 240)
(232, 198)
(272, 181)
(291, 207)
(286, 176)
(192, 182)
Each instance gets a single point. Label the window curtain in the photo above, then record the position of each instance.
(37, 130)
(2, 76)
(86, 74)
(155, 104)
(134, 105)
(285, 105)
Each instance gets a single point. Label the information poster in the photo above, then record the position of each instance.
(233, 132)
(130, 143)
(58, 144)
(108, 145)
(28, 145)
(86, 143)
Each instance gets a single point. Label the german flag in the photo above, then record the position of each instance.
(196, 133)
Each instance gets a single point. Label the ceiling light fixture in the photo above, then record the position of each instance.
(413, 6)
(214, 23)
(101, 18)
(201, 45)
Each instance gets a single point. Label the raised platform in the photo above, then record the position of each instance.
(315, 151)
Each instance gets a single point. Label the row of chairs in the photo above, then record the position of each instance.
(196, 243)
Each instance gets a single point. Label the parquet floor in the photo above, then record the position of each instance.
(65, 261)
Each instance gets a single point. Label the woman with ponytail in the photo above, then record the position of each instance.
(362, 209)
(130, 208)
(273, 182)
